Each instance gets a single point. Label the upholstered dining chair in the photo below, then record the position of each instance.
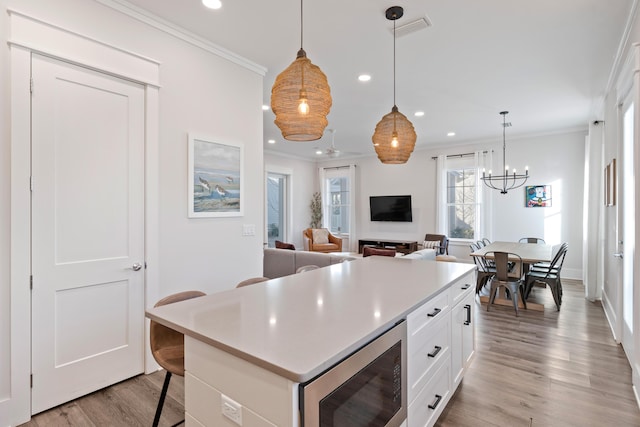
(532, 240)
(369, 251)
(510, 280)
(167, 347)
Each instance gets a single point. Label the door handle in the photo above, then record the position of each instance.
(619, 255)
(137, 266)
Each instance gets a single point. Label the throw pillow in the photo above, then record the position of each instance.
(320, 236)
(431, 244)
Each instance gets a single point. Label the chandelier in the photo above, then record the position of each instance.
(394, 137)
(508, 181)
(301, 98)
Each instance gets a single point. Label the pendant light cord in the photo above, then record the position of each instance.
(301, 23)
(394, 62)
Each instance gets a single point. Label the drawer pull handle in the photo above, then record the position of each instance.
(435, 312)
(434, 405)
(435, 351)
(468, 321)
(465, 287)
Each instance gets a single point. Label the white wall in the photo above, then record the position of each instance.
(552, 159)
(304, 175)
(200, 92)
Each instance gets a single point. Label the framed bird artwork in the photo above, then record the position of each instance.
(215, 178)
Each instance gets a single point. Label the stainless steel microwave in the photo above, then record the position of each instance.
(367, 389)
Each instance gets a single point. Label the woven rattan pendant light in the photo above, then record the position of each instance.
(394, 137)
(301, 98)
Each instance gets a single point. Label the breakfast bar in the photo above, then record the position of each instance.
(247, 350)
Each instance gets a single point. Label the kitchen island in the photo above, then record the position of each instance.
(249, 348)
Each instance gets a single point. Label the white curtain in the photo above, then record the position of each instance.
(593, 238)
(484, 223)
(322, 175)
(441, 194)
(353, 240)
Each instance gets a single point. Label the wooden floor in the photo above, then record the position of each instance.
(541, 369)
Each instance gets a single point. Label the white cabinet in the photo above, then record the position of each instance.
(440, 344)
(462, 335)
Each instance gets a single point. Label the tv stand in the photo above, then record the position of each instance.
(402, 246)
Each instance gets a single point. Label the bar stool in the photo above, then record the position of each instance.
(167, 347)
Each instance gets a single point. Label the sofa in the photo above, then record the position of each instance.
(283, 262)
(330, 243)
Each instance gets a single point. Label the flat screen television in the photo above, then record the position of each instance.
(390, 208)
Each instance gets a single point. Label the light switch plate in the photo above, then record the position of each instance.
(248, 230)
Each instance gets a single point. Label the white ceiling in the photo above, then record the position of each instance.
(546, 61)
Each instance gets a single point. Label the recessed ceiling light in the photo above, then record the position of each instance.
(451, 134)
(271, 141)
(212, 4)
(364, 77)
(419, 113)
(318, 152)
(265, 107)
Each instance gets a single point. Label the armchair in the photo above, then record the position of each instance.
(442, 247)
(321, 240)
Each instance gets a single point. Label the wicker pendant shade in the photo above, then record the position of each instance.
(394, 137)
(301, 79)
(389, 152)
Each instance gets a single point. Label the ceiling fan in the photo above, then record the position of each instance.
(332, 151)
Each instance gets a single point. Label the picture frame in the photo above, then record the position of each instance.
(537, 196)
(215, 178)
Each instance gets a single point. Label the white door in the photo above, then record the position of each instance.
(87, 230)
(626, 233)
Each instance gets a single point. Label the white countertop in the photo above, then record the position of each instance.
(298, 326)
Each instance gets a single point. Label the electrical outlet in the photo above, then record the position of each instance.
(231, 409)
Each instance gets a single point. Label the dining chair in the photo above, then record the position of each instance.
(532, 240)
(549, 276)
(543, 266)
(483, 271)
(485, 241)
(167, 347)
(510, 280)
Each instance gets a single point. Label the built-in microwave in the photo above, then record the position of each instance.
(367, 389)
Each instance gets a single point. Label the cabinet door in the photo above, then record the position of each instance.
(462, 337)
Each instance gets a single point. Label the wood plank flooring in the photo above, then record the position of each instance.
(540, 369)
(545, 368)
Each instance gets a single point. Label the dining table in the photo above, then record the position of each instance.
(530, 253)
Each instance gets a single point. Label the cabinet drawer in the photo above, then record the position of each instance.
(427, 314)
(461, 287)
(425, 351)
(428, 405)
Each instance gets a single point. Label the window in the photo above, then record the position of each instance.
(338, 203)
(338, 206)
(461, 209)
(462, 206)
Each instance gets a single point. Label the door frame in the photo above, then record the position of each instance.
(288, 202)
(30, 35)
(628, 85)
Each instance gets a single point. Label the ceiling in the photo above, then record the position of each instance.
(546, 61)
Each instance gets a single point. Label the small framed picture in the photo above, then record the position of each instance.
(215, 178)
(537, 196)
